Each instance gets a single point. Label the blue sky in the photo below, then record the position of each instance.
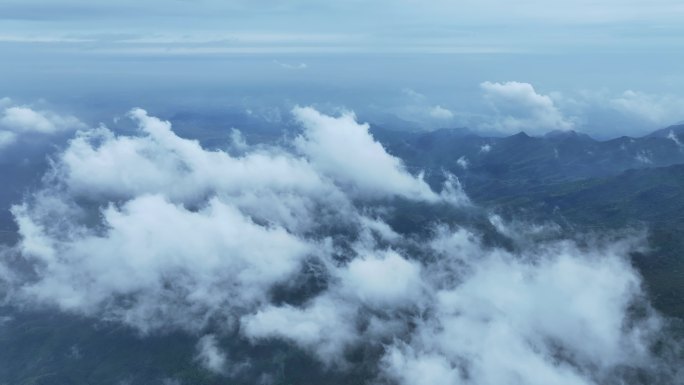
(608, 67)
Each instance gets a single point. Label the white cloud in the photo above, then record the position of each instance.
(232, 227)
(655, 109)
(210, 355)
(325, 327)
(156, 232)
(7, 138)
(237, 140)
(485, 148)
(462, 162)
(24, 119)
(98, 163)
(419, 368)
(519, 107)
(217, 258)
(556, 315)
(507, 318)
(18, 121)
(643, 157)
(383, 280)
(607, 114)
(673, 137)
(344, 150)
(439, 112)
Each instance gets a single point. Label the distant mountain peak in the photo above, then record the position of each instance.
(677, 129)
(521, 134)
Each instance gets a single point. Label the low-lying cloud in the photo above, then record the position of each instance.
(232, 226)
(439, 112)
(210, 355)
(308, 243)
(17, 121)
(653, 109)
(519, 107)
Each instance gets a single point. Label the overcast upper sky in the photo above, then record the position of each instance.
(348, 25)
(592, 58)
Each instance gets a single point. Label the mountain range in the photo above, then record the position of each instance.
(575, 181)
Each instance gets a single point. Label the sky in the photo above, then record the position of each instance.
(609, 67)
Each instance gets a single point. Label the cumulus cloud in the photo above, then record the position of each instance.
(384, 279)
(17, 121)
(607, 114)
(301, 243)
(329, 325)
(99, 163)
(344, 149)
(557, 314)
(508, 319)
(216, 256)
(439, 112)
(324, 327)
(25, 119)
(226, 229)
(519, 107)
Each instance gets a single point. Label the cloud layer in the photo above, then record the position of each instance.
(233, 226)
(300, 243)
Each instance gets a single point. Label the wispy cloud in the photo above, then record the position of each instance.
(658, 109)
(33, 38)
(291, 66)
